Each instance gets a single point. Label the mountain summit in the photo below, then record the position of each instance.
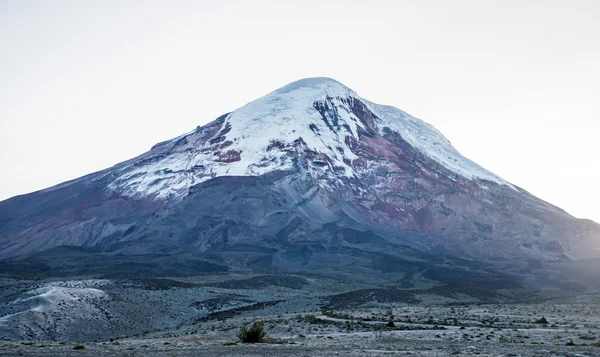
(310, 175)
(318, 118)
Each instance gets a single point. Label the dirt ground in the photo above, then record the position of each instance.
(348, 345)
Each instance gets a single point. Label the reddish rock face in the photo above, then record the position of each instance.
(228, 156)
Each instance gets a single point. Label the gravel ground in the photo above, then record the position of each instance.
(170, 318)
(349, 346)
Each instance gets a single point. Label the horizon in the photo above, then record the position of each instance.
(117, 78)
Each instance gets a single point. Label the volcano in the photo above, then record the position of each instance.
(310, 177)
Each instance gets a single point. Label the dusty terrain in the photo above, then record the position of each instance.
(304, 316)
(350, 345)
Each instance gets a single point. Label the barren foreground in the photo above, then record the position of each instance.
(390, 344)
(303, 316)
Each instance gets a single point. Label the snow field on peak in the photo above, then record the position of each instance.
(283, 117)
(286, 116)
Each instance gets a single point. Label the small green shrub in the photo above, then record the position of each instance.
(79, 347)
(542, 321)
(254, 334)
(570, 343)
(311, 319)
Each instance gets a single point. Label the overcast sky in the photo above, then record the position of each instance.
(514, 85)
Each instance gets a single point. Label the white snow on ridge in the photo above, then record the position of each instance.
(282, 117)
(427, 139)
(286, 115)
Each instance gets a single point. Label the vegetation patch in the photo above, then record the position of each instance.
(253, 334)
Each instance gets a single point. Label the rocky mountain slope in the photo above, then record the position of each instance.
(311, 176)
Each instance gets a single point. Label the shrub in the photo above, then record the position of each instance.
(390, 322)
(541, 320)
(311, 319)
(570, 343)
(79, 347)
(254, 334)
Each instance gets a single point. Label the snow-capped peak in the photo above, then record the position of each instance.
(319, 85)
(314, 117)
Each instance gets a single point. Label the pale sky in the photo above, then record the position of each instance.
(514, 85)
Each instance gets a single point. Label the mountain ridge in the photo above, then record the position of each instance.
(304, 172)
